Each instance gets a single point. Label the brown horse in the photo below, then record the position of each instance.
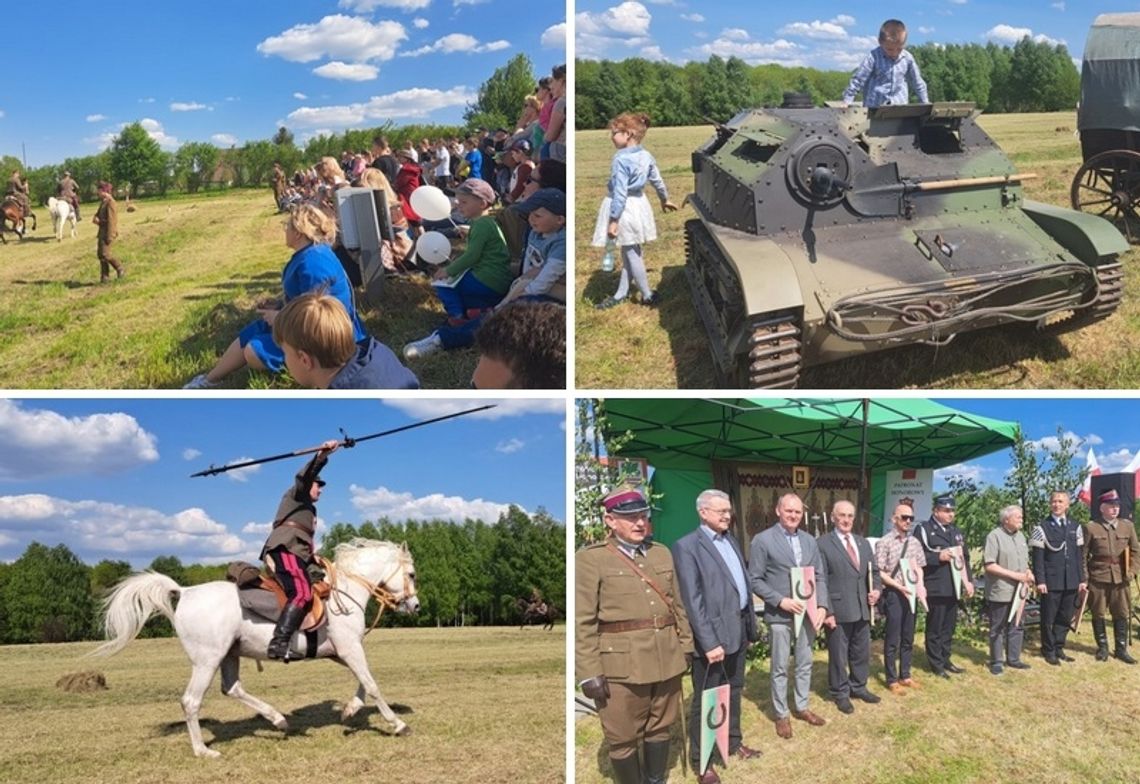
(12, 213)
(535, 613)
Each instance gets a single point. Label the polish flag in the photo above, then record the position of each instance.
(1133, 468)
(1085, 496)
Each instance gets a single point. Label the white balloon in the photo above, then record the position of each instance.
(433, 247)
(430, 203)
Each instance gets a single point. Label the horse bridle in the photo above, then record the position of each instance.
(385, 599)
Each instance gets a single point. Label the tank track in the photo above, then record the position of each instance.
(775, 350)
(1110, 283)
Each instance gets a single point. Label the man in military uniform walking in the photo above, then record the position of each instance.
(1058, 566)
(1111, 553)
(938, 536)
(631, 638)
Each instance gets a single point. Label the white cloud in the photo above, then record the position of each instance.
(416, 102)
(232, 98)
(510, 446)
(652, 53)
(224, 139)
(554, 37)
(190, 453)
(300, 96)
(1059, 6)
(925, 30)
(241, 474)
(355, 72)
(114, 529)
(1052, 443)
(338, 36)
(734, 34)
(187, 106)
(458, 3)
(1114, 462)
(692, 17)
(597, 34)
(457, 42)
(96, 117)
(154, 128)
(39, 443)
(367, 6)
(814, 30)
(382, 502)
(958, 2)
(428, 409)
(970, 471)
(844, 20)
(146, 100)
(420, 23)
(1007, 34)
(753, 52)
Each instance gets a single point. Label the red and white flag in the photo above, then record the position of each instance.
(1085, 495)
(1134, 469)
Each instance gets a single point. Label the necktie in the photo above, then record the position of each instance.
(851, 552)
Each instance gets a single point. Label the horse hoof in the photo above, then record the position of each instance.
(404, 731)
(281, 723)
(208, 753)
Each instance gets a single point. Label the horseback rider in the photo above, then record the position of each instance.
(288, 553)
(18, 190)
(536, 605)
(68, 190)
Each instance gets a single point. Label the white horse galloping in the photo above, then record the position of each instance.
(61, 212)
(216, 632)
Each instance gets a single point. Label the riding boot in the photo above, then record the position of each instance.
(656, 761)
(627, 770)
(1120, 626)
(1100, 633)
(287, 626)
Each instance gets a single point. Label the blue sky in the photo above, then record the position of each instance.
(111, 478)
(825, 34)
(1110, 426)
(231, 72)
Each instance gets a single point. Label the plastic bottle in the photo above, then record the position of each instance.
(608, 257)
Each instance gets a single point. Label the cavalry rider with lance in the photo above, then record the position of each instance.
(288, 553)
(69, 192)
(18, 190)
(1111, 552)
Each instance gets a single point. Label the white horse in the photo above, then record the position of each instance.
(61, 212)
(216, 632)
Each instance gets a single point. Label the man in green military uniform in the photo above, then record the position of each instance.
(1111, 553)
(631, 638)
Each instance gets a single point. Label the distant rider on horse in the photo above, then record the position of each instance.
(18, 190)
(536, 605)
(288, 553)
(68, 190)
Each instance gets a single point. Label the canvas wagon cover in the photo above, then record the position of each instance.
(1110, 74)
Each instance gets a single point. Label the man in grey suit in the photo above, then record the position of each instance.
(714, 587)
(851, 572)
(773, 554)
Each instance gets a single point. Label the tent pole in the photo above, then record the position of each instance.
(862, 511)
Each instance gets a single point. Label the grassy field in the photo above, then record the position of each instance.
(195, 267)
(636, 347)
(484, 704)
(1047, 725)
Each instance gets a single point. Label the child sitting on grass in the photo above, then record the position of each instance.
(316, 335)
(476, 281)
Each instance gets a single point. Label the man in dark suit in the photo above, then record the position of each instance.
(938, 537)
(1056, 546)
(714, 587)
(773, 555)
(851, 572)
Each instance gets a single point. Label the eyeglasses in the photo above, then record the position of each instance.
(908, 518)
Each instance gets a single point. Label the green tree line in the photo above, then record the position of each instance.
(136, 161)
(469, 574)
(1027, 77)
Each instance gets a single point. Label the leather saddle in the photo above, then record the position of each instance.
(260, 593)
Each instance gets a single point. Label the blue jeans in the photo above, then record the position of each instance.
(468, 293)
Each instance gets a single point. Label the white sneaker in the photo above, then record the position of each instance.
(200, 381)
(423, 347)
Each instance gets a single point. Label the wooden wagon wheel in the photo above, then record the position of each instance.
(1108, 185)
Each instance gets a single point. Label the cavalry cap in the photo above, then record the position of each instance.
(1110, 497)
(625, 499)
(946, 501)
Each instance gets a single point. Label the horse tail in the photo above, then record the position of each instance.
(131, 604)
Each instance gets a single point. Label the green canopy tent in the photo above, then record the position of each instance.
(682, 438)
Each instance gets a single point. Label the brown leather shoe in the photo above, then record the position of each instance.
(745, 753)
(910, 683)
(708, 777)
(784, 728)
(896, 688)
(809, 717)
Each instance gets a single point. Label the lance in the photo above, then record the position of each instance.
(348, 443)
